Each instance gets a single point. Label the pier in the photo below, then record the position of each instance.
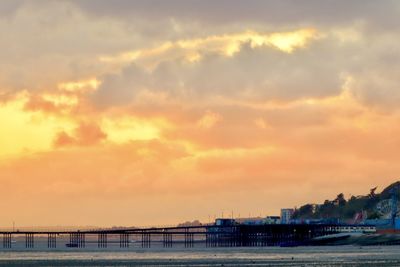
(209, 235)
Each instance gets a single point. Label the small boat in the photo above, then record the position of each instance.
(71, 245)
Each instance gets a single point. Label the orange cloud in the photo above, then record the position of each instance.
(85, 134)
(208, 120)
(37, 103)
(244, 120)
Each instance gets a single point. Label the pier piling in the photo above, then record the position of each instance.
(29, 240)
(146, 239)
(6, 240)
(102, 240)
(51, 240)
(167, 240)
(124, 240)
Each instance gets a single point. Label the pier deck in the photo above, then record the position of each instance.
(209, 235)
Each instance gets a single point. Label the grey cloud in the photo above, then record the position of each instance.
(46, 42)
(8, 8)
(120, 89)
(264, 73)
(282, 12)
(257, 74)
(375, 68)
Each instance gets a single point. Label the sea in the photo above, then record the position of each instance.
(199, 255)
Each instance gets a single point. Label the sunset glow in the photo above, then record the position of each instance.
(105, 107)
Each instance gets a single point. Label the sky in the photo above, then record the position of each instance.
(154, 112)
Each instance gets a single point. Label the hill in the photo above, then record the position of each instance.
(370, 206)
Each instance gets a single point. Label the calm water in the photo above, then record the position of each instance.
(197, 256)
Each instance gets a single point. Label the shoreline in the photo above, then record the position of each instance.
(267, 256)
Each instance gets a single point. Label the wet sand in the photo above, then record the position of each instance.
(262, 256)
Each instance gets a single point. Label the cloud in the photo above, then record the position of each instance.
(86, 134)
(375, 82)
(52, 103)
(119, 89)
(326, 159)
(26, 131)
(180, 56)
(112, 105)
(227, 44)
(64, 44)
(253, 72)
(209, 120)
(274, 13)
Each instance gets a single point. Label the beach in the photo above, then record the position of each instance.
(201, 256)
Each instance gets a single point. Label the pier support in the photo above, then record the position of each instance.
(6, 240)
(211, 239)
(146, 240)
(124, 240)
(29, 240)
(102, 240)
(51, 240)
(77, 240)
(167, 240)
(189, 238)
(72, 240)
(81, 240)
(264, 238)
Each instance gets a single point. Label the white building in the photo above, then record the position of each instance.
(286, 215)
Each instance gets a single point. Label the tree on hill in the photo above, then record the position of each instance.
(347, 209)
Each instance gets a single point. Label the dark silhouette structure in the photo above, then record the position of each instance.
(236, 235)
